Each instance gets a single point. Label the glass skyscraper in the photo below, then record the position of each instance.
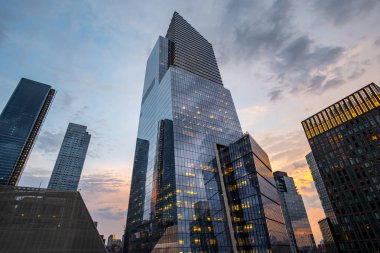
(69, 164)
(293, 208)
(327, 225)
(345, 140)
(187, 117)
(20, 123)
(319, 185)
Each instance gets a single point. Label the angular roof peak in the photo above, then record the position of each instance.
(192, 51)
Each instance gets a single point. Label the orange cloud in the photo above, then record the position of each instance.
(287, 153)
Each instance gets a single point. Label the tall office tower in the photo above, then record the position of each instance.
(293, 208)
(69, 164)
(185, 112)
(344, 139)
(20, 123)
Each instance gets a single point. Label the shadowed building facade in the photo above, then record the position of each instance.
(186, 117)
(345, 140)
(34, 220)
(328, 230)
(293, 208)
(68, 167)
(20, 123)
(321, 189)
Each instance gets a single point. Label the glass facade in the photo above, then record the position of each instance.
(345, 140)
(176, 203)
(293, 208)
(20, 123)
(321, 189)
(252, 197)
(192, 52)
(35, 220)
(69, 164)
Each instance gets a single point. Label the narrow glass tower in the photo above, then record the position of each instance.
(293, 208)
(69, 164)
(187, 116)
(20, 123)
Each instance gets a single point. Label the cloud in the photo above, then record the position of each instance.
(314, 215)
(68, 99)
(259, 27)
(35, 177)
(300, 59)
(106, 195)
(377, 42)
(105, 183)
(275, 94)
(341, 13)
(333, 83)
(317, 81)
(287, 153)
(357, 73)
(264, 32)
(111, 213)
(79, 114)
(49, 142)
(249, 115)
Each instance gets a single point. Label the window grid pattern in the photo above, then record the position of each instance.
(203, 115)
(20, 123)
(348, 160)
(69, 165)
(36, 220)
(253, 198)
(293, 208)
(344, 110)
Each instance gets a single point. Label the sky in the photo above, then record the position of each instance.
(283, 61)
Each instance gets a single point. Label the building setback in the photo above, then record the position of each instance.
(69, 164)
(20, 123)
(345, 139)
(187, 117)
(252, 199)
(35, 220)
(293, 208)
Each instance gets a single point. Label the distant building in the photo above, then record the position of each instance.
(103, 239)
(110, 240)
(296, 220)
(321, 189)
(69, 164)
(345, 140)
(114, 245)
(321, 247)
(20, 123)
(329, 236)
(34, 220)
